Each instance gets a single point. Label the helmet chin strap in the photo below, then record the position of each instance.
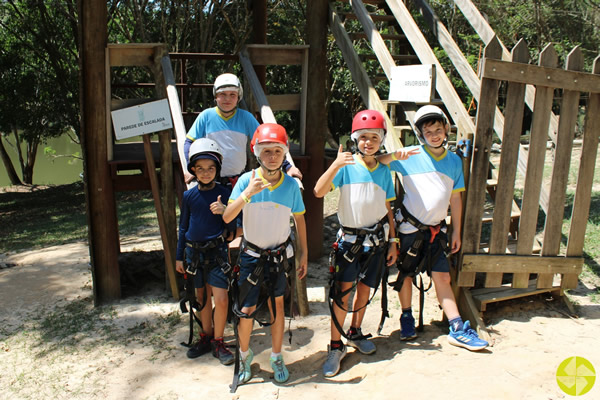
(270, 172)
(358, 151)
(227, 113)
(205, 185)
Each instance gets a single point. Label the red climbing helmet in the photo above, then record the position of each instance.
(268, 135)
(368, 120)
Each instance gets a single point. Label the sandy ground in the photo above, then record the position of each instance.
(131, 349)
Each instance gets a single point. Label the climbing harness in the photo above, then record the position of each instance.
(273, 262)
(377, 235)
(191, 269)
(407, 262)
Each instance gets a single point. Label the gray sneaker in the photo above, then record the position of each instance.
(361, 342)
(334, 358)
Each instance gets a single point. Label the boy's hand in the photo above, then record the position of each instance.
(256, 185)
(217, 208)
(392, 254)
(456, 241)
(179, 266)
(343, 158)
(295, 172)
(303, 267)
(404, 154)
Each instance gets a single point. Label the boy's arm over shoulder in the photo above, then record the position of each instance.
(323, 185)
(398, 155)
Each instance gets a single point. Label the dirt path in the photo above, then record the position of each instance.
(55, 344)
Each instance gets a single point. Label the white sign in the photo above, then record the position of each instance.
(143, 119)
(412, 83)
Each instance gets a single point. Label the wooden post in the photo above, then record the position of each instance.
(508, 170)
(479, 164)
(259, 31)
(537, 153)
(167, 184)
(316, 23)
(100, 201)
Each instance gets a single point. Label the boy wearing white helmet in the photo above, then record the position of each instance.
(231, 127)
(268, 197)
(432, 180)
(202, 247)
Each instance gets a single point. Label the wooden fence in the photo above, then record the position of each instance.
(555, 269)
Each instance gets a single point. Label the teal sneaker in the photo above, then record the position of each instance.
(334, 358)
(467, 338)
(361, 342)
(245, 370)
(280, 372)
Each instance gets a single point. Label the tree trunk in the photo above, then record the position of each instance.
(30, 161)
(8, 165)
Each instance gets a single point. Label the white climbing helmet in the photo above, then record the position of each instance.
(428, 113)
(228, 82)
(205, 148)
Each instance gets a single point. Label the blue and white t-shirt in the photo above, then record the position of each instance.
(363, 193)
(232, 134)
(428, 182)
(266, 219)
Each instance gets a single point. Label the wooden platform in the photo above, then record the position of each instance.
(482, 297)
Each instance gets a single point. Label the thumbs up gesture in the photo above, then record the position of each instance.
(343, 158)
(217, 207)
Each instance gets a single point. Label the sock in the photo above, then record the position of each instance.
(336, 345)
(456, 324)
(406, 312)
(244, 354)
(275, 355)
(352, 331)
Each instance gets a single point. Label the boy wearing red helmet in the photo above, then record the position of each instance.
(268, 197)
(432, 180)
(365, 216)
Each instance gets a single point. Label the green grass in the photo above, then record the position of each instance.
(57, 215)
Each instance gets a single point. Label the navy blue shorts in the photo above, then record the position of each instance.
(216, 277)
(348, 271)
(247, 265)
(439, 265)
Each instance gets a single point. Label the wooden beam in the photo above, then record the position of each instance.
(545, 76)
(536, 156)
(569, 112)
(585, 179)
(167, 184)
(175, 107)
(280, 102)
(505, 189)
(485, 32)
(506, 263)
(479, 165)
(100, 204)
(268, 54)
(316, 113)
(361, 78)
(444, 86)
(132, 55)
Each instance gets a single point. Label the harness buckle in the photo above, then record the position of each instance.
(412, 252)
(348, 258)
(434, 231)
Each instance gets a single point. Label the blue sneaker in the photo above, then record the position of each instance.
(361, 342)
(280, 372)
(466, 338)
(334, 358)
(407, 327)
(245, 370)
